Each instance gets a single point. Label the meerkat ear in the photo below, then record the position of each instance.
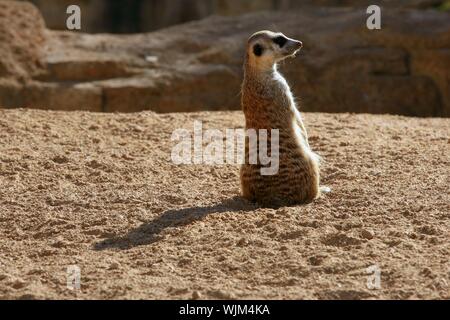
(258, 50)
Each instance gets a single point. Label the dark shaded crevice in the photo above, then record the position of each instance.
(439, 109)
(103, 103)
(408, 63)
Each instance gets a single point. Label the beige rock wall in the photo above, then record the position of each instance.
(22, 37)
(147, 15)
(401, 69)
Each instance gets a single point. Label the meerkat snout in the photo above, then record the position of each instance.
(292, 44)
(292, 47)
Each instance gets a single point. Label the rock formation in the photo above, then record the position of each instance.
(401, 69)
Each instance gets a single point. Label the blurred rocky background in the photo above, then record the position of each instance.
(130, 16)
(186, 55)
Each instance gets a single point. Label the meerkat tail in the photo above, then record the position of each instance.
(324, 189)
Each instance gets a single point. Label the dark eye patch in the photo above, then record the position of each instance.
(258, 50)
(280, 41)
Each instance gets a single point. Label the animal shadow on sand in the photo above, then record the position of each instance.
(150, 232)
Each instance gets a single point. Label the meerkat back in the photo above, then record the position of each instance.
(268, 104)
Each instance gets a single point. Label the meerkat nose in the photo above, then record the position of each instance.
(299, 44)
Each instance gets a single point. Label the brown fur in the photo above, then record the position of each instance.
(268, 104)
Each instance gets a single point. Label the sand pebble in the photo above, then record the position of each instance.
(196, 295)
(242, 242)
(3, 276)
(220, 294)
(18, 284)
(60, 159)
(114, 266)
(366, 234)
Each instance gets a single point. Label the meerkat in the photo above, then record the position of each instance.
(267, 103)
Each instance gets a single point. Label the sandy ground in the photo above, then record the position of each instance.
(100, 191)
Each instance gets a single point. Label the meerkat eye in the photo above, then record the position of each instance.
(280, 41)
(258, 50)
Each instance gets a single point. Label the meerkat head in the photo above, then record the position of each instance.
(266, 48)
